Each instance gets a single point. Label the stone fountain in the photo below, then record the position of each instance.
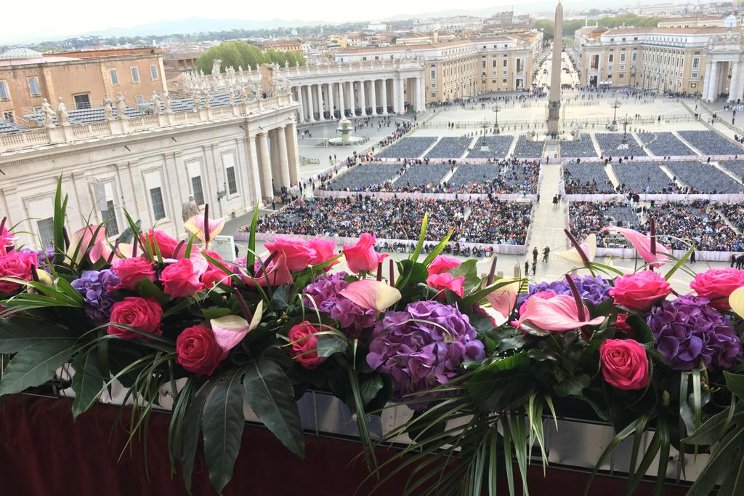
(346, 139)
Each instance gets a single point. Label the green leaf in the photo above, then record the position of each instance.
(411, 273)
(370, 388)
(679, 263)
(573, 386)
(250, 257)
(735, 383)
(438, 249)
(88, 380)
(422, 236)
(222, 425)
(469, 271)
(60, 207)
(18, 333)
(35, 365)
(190, 430)
(330, 343)
(147, 289)
(269, 393)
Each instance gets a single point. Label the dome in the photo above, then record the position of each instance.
(20, 54)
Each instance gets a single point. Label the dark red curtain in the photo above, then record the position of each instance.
(44, 452)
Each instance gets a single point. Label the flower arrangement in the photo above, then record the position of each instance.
(478, 359)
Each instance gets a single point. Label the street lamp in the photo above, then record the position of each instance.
(496, 111)
(625, 132)
(615, 106)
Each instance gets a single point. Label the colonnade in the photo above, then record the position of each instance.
(367, 97)
(274, 160)
(716, 77)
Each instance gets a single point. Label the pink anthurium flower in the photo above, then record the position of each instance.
(558, 313)
(371, 294)
(642, 244)
(443, 281)
(588, 246)
(195, 225)
(503, 299)
(277, 273)
(443, 263)
(93, 236)
(231, 329)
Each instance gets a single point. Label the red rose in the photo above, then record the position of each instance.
(362, 256)
(624, 364)
(443, 263)
(133, 270)
(305, 345)
(141, 313)
(180, 279)
(17, 265)
(717, 285)
(298, 252)
(166, 244)
(197, 351)
(639, 291)
(444, 281)
(215, 276)
(325, 249)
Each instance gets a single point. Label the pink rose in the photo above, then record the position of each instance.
(141, 313)
(304, 343)
(133, 270)
(215, 276)
(325, 249)
(17, 265)
(443, 263)
(717, 285)
(166, 244)
(624, 364)
(298, 252)
(639, 291)
(197, 350)
(621, 323)
(443, 281)
(362, 256)
(180, 279)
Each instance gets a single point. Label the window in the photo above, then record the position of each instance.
(634, 57)
(154, 72)
(232, 184)
(622, 57)
(696, 62)
(158, 207)
(82, 101)
(114, 76)
(4, 91)
(196, 186)
(46, 231)
(33, 86)
(610, 58)
(506, 63)
(135, 74)
(693, 75)
(483, 64)
(109, 217)
(433, 74)
(8, 116)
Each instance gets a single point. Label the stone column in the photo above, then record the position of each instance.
(739, 88)
(362, 100)
(419, 96)
(254, 168)
(341, 103)
(319, 92)
(373, 94)
(292, 154)
(302, 106)
(734, 82)
(402, 95)
(384, 97)
(352, 99)
(396, 98)
(713, 88)
(706, 83)
(310, 106)
(267, 186)
(281, 133)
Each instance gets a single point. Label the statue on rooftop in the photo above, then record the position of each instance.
(62, 117)
(216, 63)
(108, 108)
(121, 106)
(156, 103)
(168, 104)
(47, 113)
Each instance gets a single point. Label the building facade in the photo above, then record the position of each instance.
(232, 157)
(80, 79)
(704, 61)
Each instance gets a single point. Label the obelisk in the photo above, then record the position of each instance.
(554, 98)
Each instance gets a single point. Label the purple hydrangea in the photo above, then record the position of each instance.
(96, 287)
(325, 293)
(423, 346)
(688, 331)
(592, 289)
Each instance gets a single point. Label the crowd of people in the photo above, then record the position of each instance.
(482, 221)
(734, 212)
(697, 222)
(590, 217)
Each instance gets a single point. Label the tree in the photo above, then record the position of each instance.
(240, 53)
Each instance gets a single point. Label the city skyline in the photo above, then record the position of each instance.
(51, 23)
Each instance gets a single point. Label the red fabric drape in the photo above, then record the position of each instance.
(44, 452)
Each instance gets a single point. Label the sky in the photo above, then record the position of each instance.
(50, 19)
